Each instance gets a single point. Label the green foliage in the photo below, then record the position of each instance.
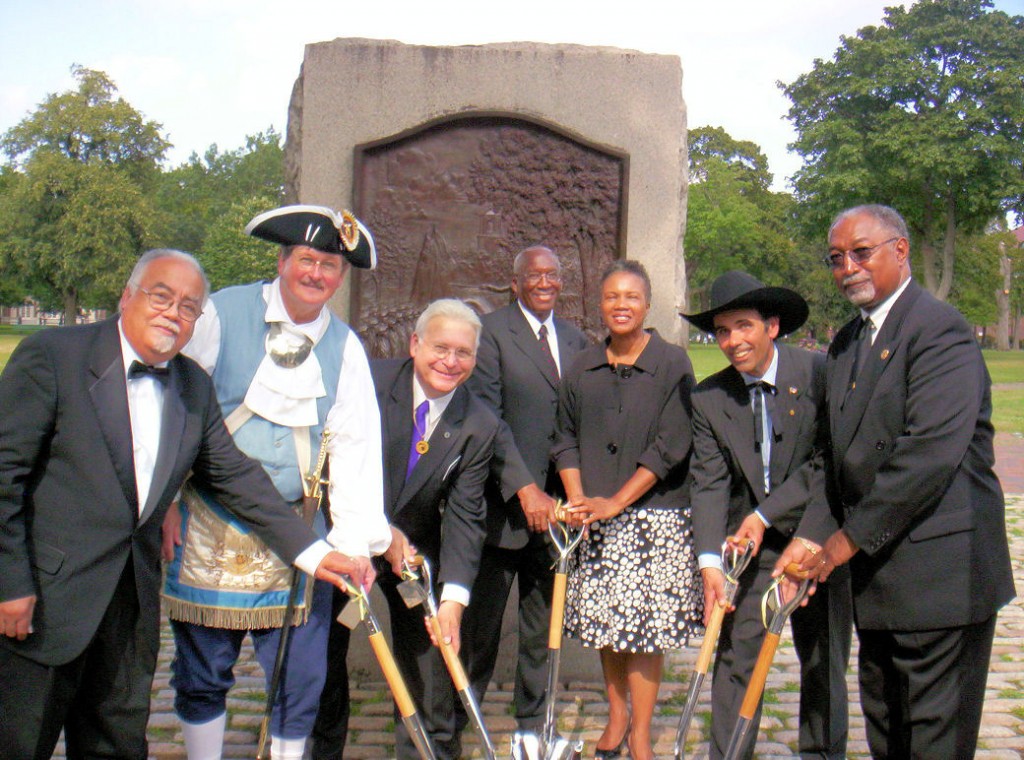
(924, 113)
(196, 196)
(89, 125)
(734, 221)
(229, 256)
(74, 208)
(977, 275)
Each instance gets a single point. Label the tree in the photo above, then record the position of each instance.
(734, 221)
(195, 196)
(78, 213)
(924, 113)
(229, 256)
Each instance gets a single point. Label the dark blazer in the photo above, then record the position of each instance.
(728, 471)
(912, 471)
(69, 519)
(728, 485)
(443, 497)
(510, 376)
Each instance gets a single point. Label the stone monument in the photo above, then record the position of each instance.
(458, 157)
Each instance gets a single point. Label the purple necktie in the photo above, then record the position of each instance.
(419, 437)
(545, 348)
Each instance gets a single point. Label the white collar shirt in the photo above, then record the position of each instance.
(879, 314)
(535, 325)
(145, 410)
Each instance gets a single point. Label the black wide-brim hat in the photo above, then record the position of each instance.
(739, 290)
(317, 227)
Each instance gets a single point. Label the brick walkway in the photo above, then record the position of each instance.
(583, 710)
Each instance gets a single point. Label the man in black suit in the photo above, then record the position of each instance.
(517, 375)
(438, 440)
(920, 508)
(756, 467)
(101, 425)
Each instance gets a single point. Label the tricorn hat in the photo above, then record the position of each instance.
(739, 290)
(320, 228)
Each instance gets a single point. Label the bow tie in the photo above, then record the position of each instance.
(763, 385)
(138, 369)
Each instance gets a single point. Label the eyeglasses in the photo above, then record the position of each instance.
(161, 301)
(462, 355)
(534, 278)
(329, 266)
(835, 257)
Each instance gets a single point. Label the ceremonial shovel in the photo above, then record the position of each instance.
(734, 562)
(418, 589)
(358, 610)
(312, 496)
(525, 745)
(772, 599)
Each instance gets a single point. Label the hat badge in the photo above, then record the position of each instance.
(348, 231)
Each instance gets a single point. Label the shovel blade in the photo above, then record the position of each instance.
(525, 746)
(563, 749)
(412, 593)
(350, 616)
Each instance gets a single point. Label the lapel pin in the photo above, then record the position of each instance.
(793, 390)
(885, 354)
(792, 412)
(447, 434)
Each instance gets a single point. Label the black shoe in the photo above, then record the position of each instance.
(616, 752)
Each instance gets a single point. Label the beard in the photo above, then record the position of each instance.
(164, 344)
(858, 292)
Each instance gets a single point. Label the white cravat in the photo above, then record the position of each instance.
(145, 409)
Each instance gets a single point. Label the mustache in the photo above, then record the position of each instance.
(311, 283)
(169, 325)
(855, 279)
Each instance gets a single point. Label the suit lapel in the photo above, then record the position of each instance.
(172, 427)
(740, 430)
(566, 351)
(526, 339)
(843, 349)
(398, 421)
(108, 392)
(785, 420)
(887, 342)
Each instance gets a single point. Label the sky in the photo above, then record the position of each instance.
(214, 71)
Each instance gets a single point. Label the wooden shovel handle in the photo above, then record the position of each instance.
(707, 647)
(557, 612)
(451, 659)
(760, 675)
(406, 707)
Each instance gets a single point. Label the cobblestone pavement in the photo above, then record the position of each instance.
(582, 709)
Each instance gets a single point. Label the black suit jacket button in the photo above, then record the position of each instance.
(612, 448)
(880, 445)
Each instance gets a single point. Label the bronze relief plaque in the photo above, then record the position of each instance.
(451, 203)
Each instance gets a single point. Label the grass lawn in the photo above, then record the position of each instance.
(10, 336)
(1004, 366)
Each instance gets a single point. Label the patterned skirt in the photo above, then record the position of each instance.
(635, 586)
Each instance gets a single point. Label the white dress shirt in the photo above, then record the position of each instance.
(878, 314)
(146, 411)
(552, 336)
(769, 376)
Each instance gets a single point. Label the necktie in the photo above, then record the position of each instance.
(419, 445)
(860, 359)
(763, 393)
(545, 348)
(138, 369)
